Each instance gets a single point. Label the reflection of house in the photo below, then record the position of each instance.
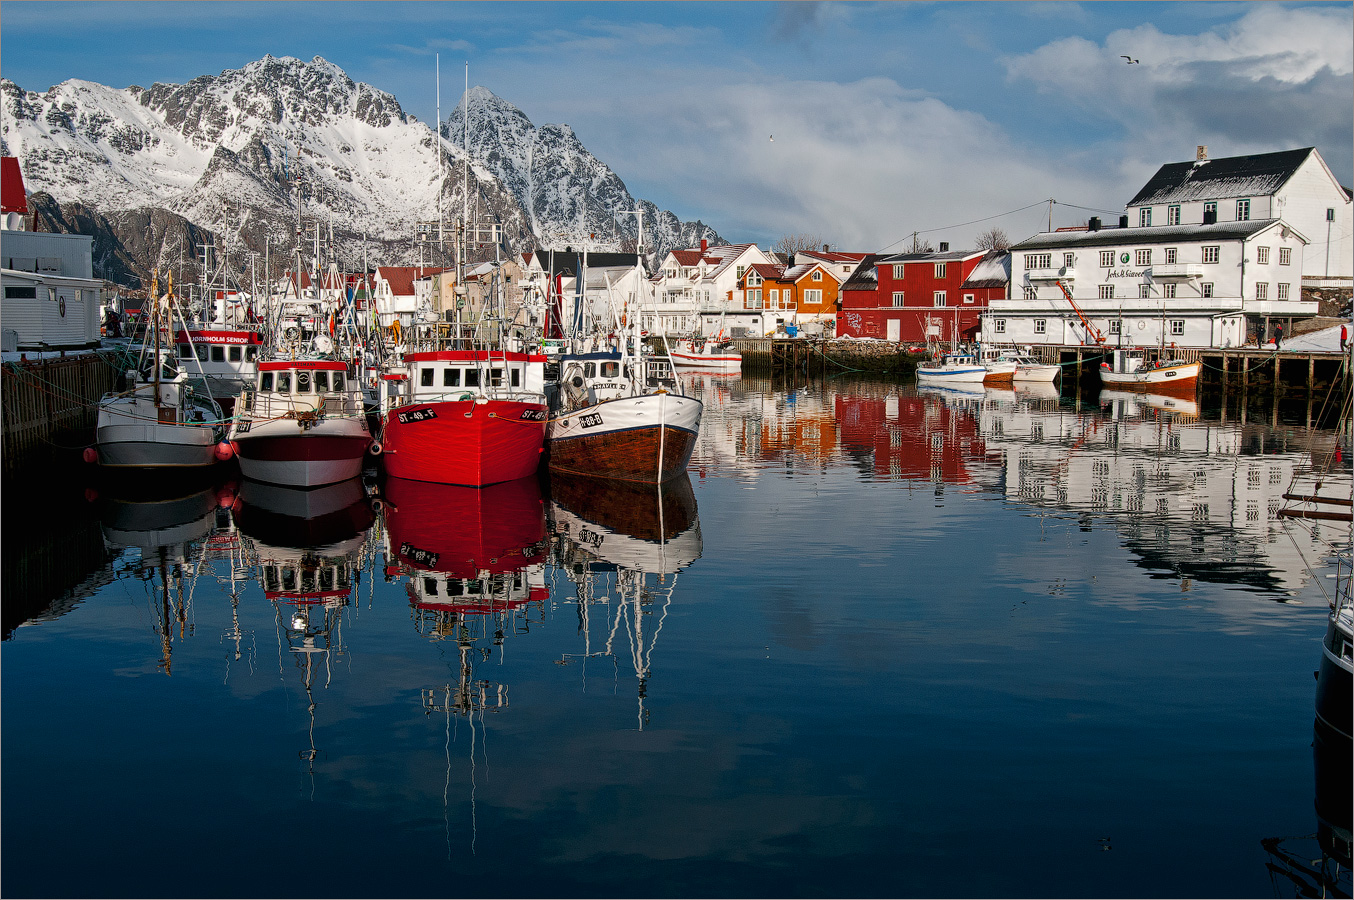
(912, 437)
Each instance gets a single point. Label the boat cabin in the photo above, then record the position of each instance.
(288, 386)
(433, 375)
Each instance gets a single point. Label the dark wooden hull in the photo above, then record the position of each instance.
(650, 512)
(650, 455)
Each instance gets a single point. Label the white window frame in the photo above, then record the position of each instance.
(1041, 326)
(1177, 327)
(1145, 217)
(898, 271)
(1243, 210)
(1173, 214)
(1143, 257)
(968, 298)
(1211, 253)
(898, 298)
(998, 326)
(1107, 259)
(812, 297)
(1206, 289)
(1262, 256)
(754, 299)
(1144, 291)
(1168, 290)
(1116, 326)
(1171, 254)
(1038, 260)
(940, 270)
(938, 298)
(1262, 290)
(1107, 292)
(1285, 256)
(817, 275)
(1283, 292)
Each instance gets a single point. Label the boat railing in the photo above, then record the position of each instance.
(271, 405)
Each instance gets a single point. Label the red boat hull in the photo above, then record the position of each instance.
(464, 531)
(464, 442)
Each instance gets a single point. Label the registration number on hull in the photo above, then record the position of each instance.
(416, 415)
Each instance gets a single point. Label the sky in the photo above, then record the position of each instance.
(856, 123)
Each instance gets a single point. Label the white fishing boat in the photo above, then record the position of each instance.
(302, 424)
(705, 353)
(953, 368)
(1131, 370)
(1027, 367)
(163, 420)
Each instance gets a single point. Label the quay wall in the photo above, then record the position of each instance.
(50, 407)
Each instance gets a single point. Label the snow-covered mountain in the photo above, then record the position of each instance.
(229, 153)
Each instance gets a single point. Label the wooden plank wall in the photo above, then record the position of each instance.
(49, 406)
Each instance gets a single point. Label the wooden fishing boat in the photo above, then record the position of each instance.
(705, 353)
(1130, 370)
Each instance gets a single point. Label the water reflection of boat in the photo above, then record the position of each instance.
(1037, 390)
(1131, 403)
(609, 539)
(303, 518)
(466, 551)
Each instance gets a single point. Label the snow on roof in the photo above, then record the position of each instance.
(1257, 175)
(865, 278)
(993, 270)
(931, 256)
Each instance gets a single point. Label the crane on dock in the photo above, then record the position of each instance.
(1091, 330)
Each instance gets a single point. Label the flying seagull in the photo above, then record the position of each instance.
(773, 138)
(1130, 59)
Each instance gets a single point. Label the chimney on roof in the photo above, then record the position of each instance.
(705, 245)
(944, 246)
(825, 248)
(1093, 224)
(1123, 221)
(1201, 152)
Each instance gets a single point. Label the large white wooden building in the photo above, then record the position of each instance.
(1211, 253)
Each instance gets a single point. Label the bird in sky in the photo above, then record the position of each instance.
(773, 138)
(1130, 59)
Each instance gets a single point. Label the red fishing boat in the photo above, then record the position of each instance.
(466, 416)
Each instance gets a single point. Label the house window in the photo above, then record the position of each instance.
(1038, 260)
(1170, 256)
(1262, 255)
(754, 299)
(940, 270)
(1067, 260)
(1173, 214)
(1144, 291)
(1107, 292)
(811, 297)
(1285, 256)
(1040, 326)
(1031, 293)
(897, 298)
(1177, 327)
(968, 298)
(898, 271)
(738, 274)
(1116, 325)
(1107, 259)
(1211, 254)
(998, 326)
(1262, 290)
(1168, 290)
(1144, 257)
(1283, 290)
(772, 299)
(817, 275)
(1243, 210)
(1145, 216)
(940, 298)
(1211, 207)
(754, 280)
(1206, 289)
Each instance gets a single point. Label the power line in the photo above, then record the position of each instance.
(999, 216)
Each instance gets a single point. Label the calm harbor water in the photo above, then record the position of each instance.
(880, 642)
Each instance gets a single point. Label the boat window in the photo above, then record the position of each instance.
(430, 587)
(472, 377)
(455, 587)
(516, 377)
(201, 352)
(495, 377)
(303, 383)
(590, 370)
(251, 354)
(283, 382)
(611, 369)
(218, 354)
(185, 351)
(266, 381)
(338, 382)
(270, 580)
(307, 582)
(451, 377)
(288, 577)
(425, 377)
(343, 576)
(326, 575)
(321, 382)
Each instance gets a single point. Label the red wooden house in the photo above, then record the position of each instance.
(914, 297)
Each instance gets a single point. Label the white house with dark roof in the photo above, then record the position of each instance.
(1293, 185)
(698, 281)
(1188, 285)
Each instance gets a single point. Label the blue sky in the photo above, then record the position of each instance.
(888, 117)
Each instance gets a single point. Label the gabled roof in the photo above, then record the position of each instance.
(947, 256)
(864, 278)
(992, 271)
(1157, 234)
(401, 278)
(570, 262)
(768, 271)
(1257, 175)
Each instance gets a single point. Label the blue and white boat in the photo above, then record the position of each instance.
(953, 368)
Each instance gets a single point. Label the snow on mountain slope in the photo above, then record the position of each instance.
(234, 147)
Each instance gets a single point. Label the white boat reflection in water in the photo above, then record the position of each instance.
(1129, 403)
(622, 545)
